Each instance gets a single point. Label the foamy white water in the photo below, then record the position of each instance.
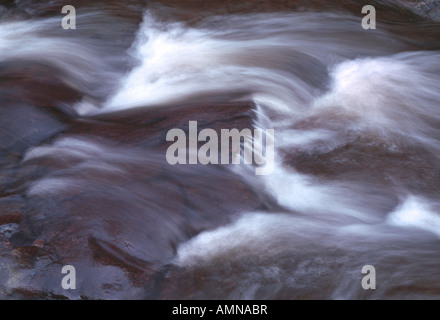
(417, 213)
(264, 57)
(294, 71)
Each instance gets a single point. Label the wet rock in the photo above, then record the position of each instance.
(23, 126)
(120, 228)
(372, 162)
(11, 210)
(30, 82)
(428, 9)
(8, 229)
(434, 13)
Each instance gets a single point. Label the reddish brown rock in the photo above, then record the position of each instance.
(413, 167)
(128, 225)
(11, 210)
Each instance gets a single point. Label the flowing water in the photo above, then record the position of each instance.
(84, 180)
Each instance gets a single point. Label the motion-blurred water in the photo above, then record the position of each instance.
(356, 181)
